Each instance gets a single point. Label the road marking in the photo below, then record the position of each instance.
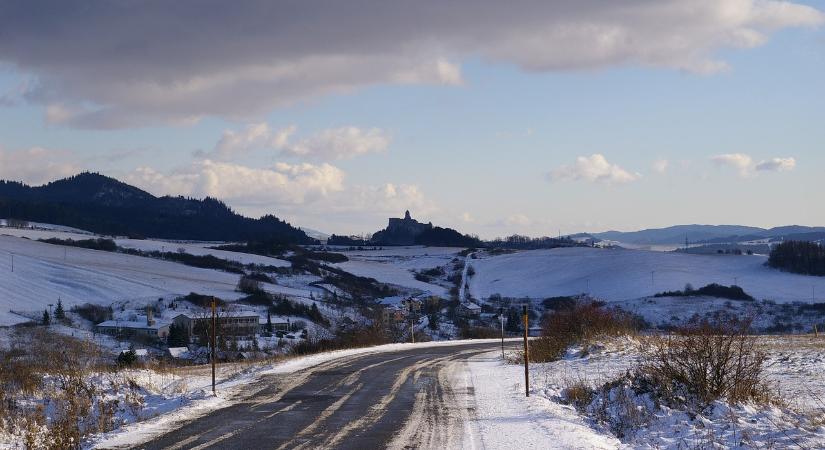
(185, 442)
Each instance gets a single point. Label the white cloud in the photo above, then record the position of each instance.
(518, 220)
(777, 165)
(124, 63)
(297, 190)
(246, 186)
(254, 136)
(36, 165)
(593, 168)
(747, 167)
(334, 143)
(739, 161)
(661, 166)
(340, 143)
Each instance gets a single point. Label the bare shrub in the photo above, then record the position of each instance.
(578, 393)
(471, 332)
(706, 362)
(580, 323)
(57, 369)
(249, 285)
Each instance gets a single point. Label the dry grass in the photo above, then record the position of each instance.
(47, 370)
(583, 322)
(578, 393)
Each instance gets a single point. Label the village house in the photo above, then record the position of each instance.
(135, 328)
(230, 323)
(469, 310)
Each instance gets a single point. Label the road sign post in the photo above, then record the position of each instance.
(526, 352)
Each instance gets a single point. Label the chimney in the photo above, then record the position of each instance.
(149, 313)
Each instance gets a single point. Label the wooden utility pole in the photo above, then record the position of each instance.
(526, 352)
(214, 340)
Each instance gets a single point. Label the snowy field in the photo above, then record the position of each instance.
(44, 272)
(618, 274)
(395, 265)
(192, 248)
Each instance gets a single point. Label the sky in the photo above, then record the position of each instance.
(529, 117)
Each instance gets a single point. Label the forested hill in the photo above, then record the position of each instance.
(104, 205)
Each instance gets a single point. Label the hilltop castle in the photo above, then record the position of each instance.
(401, 231)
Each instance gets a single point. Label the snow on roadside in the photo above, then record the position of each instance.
(504, 418)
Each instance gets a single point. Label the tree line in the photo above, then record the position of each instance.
(802, 257)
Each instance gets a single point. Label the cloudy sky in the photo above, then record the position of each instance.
(493, 117)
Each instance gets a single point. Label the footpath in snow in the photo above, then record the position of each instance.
(504, 418)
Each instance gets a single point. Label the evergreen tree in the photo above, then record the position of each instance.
(178, 336)
(128, 357)
(315, 314)
(268, 322)
(59, 314)
(434, 320)
(513, 324)
(46, 319)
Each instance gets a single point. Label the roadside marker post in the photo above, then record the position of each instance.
(526, 352)
(412, 323)
(214, 340)
(501, 319)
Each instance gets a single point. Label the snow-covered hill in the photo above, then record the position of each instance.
(192, 248)
(618, 274)
(44, 272)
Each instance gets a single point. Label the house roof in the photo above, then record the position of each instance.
(221, 315)
(177, 352)
(472, 306)
(132, 324)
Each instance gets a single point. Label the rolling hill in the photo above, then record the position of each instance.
(104, 205)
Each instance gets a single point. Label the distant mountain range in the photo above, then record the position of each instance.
(104, 205)
(710, 234)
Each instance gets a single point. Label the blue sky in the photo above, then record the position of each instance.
(525, 143)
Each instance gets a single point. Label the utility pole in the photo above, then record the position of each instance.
(526, 352)
(12, 262)
(214, 340)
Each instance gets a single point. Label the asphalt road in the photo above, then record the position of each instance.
(398, 399)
